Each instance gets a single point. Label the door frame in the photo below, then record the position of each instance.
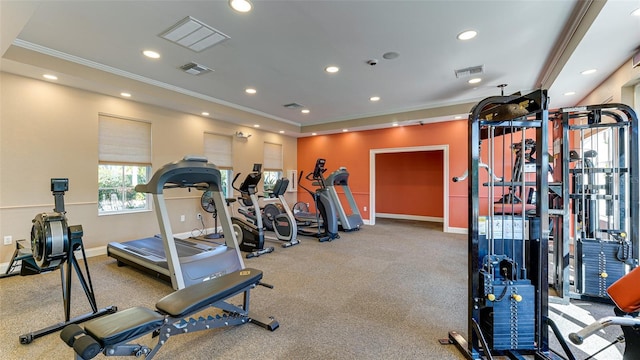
(445, 182)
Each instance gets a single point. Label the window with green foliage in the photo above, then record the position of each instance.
(124, 162)
(272, 166)
(269, 179)
(227, 176)
(116, 188)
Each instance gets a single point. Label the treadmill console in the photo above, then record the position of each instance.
(319, 170)
(195, 158)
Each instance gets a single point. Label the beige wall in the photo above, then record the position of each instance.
(48, 130)
(618, 88)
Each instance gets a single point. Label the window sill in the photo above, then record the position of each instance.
(123, 212)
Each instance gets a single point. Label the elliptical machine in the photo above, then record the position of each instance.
(250, 235)
(326, 220)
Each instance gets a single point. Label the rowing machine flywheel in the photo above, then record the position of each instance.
(49, 240)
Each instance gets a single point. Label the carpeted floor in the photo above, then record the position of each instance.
(389, 291)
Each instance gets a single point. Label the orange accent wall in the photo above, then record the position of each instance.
(352, 150)
(410, 183)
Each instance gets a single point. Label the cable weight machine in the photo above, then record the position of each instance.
(508, 240)
(597, 217)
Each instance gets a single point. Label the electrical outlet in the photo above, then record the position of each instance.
(182, 218)
(199, 216)
(8, 240)
(365, 209)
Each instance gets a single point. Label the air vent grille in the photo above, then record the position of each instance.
(293, 106)
(470, 71)
(195, 69)
(194, 34)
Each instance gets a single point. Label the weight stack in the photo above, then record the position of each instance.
(600, 266)
(509, 324)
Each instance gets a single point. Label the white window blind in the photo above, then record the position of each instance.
(272, 156)
(217, 148)
(124, 141)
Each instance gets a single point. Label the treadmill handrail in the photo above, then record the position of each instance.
(339, 177)
(184, 173)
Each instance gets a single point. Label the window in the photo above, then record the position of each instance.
(116, 189)
(218, 150)
(272, 166)
(124, 162)
(601, 144)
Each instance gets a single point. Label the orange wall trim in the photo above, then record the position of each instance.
(354, 150)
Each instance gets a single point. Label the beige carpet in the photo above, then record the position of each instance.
(389, 291)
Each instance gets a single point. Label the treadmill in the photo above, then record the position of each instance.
(353, 220)
(189, 261)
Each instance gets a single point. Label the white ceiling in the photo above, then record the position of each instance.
(282, 47)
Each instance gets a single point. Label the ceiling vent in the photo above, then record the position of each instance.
(293, 106)
(195, 69)
(470, 71)
(194, 34)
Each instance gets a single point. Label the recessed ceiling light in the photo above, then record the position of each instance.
(345, 130)
(587, 72)
(458, 117)
(50, 77)
(151, 54)
(314, 134)
(467, 35)
(305, 111)
(374, 98)
(281, 131)
(241, 5)
(569, 93)
(250, 90)
(256, 126)
(636, 12)
(390, 55)
(204, 113)
(332, 69)
(394, 124)
(475, 80)
(125, 94)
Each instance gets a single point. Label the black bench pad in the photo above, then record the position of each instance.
(192, 298)
(123, 325)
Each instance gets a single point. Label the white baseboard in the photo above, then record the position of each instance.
(457, 230)
(410, 217)
(96, 251)
(102, 250)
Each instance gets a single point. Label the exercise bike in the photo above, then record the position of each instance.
(250, 234)
(277, 217)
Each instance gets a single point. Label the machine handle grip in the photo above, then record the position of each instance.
(578, 338)
(233, 183)
(482, 165)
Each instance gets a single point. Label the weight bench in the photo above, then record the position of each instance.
(111, 334)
